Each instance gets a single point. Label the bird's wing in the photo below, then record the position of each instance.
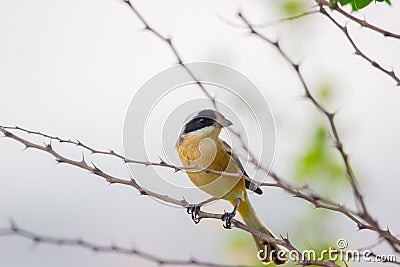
(249, 185)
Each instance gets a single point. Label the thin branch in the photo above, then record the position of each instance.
(111, 179)
(14, 230)
(267, 24)
(174, 50)
(300, 191)
(362, 22)
(169, 42)
(363, 213)
(82, 164)
(111, 152)
(308, 195)
(278, 21)
(303, 260)
(358, 51)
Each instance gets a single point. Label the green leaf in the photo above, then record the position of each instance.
(362, 3)
(344, 2)
(359, 4)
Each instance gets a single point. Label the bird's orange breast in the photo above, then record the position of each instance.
(210, 154)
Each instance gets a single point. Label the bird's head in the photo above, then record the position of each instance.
(205, 124)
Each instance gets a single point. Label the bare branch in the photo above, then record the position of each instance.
(93, 169)
(268, 24)
(114, 249)
(303, 260)
(363, 213)
(278, 21)
(358, 51)
(300, 191)
(169, 42)
(333, 5)
(111, 152)
(14, 230)
(360, 216)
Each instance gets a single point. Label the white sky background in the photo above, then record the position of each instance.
(70, 68)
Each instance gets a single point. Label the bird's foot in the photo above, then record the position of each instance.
(227, 218)
(194, 211)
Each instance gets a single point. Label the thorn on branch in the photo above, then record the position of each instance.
(361, 227)
(315, 197)
(49, 146)
(339, 146)
(13, 227)
(162, 162)
(60, 160)
(83, 158)
(330, 115)
(143, 192)
(96, 170)
(307, 94)
(7, 133)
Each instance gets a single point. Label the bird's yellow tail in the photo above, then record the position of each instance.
(251, 219)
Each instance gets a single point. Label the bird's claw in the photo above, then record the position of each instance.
(227, 218)
(194, 210)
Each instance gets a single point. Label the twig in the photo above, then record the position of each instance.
(363, 213)
(267, 24)
(14, 230)
(111, 152)
(82, 164)
(333, 5)
(303, 260)
(169, 42)
(358, 51)
(174, 50)
(278, 21)
(300, 191)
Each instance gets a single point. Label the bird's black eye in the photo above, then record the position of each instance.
(202, 120)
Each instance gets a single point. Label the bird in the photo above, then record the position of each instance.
(199, 145)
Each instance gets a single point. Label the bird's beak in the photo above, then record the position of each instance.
(225, 122)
